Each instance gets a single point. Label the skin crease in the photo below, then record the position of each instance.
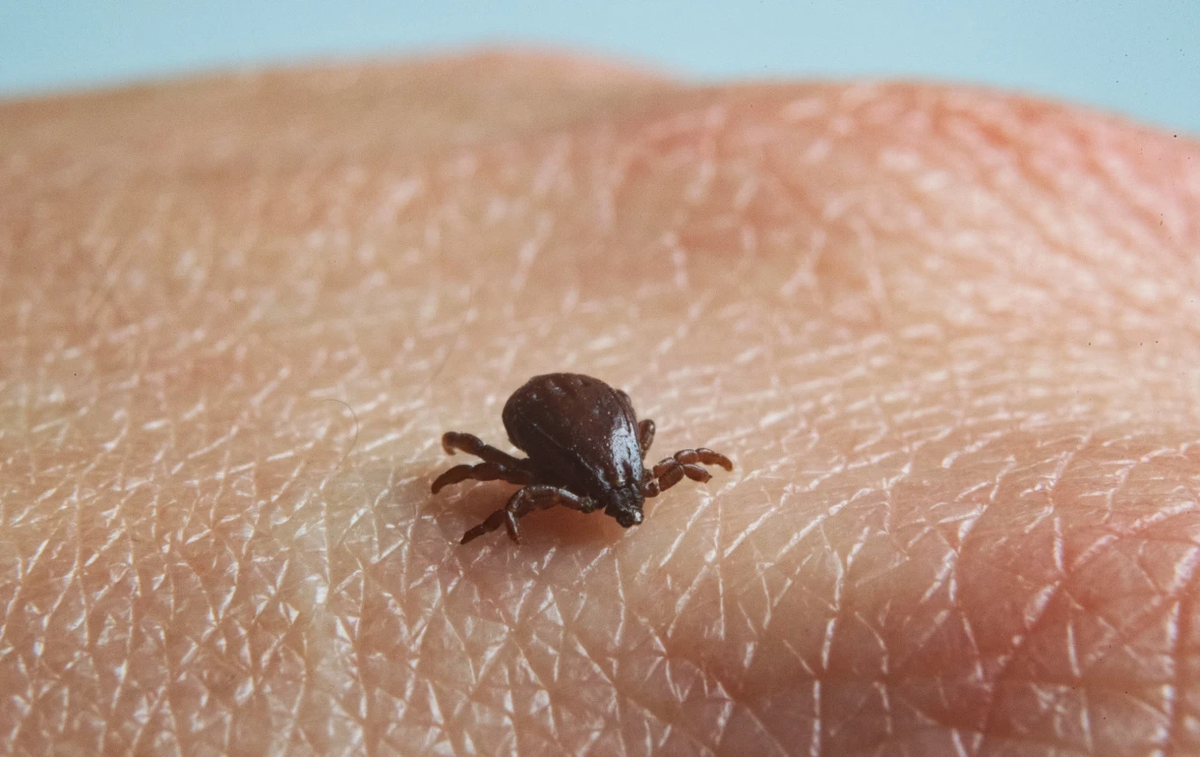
(948, 337)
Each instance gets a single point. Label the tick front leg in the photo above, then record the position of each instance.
(536, 497)
(685, 462)
(483, 472)
(703, 455)
(473, 445)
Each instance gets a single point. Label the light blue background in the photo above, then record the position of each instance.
(1142, 58)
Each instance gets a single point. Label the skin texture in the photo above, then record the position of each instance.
(948, 336)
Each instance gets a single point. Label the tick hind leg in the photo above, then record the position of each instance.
(685, 462)
(536, 497)
(497, 466)
(482, 472)
(473, 445)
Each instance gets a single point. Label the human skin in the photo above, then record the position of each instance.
(948, 336)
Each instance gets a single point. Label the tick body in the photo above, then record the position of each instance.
(586, 450)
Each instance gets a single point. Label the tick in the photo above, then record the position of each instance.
(586, 450)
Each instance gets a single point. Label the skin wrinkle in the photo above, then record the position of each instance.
(962, 519)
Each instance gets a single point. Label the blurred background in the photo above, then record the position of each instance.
(1140, 57)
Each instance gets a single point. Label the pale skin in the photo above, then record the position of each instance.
(948, 338)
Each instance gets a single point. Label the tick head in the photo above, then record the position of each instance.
(625, 505)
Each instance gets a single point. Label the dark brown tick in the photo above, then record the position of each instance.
(586, 451)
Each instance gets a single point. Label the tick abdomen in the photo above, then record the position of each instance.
(576, 430)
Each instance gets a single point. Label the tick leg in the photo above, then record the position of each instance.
(685, 462)
(482, 472)
(536, 497)
(473, 445)
(645, 435)
(668, 474)
(703, 455)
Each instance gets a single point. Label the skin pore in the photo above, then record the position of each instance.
(948, 337)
